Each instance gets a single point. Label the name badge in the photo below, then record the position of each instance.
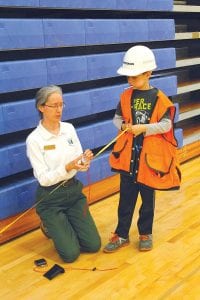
(49, 147)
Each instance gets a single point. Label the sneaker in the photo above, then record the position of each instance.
(115, 243)
(44, 230)
(145, 243)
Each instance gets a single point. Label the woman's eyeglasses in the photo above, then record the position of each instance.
(56, 106)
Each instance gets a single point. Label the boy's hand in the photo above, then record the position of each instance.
(127, 126)
(134, 129)
(138, 129)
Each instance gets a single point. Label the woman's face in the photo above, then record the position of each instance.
(140, 82)
(52, 109)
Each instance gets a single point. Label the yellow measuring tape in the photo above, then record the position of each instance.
(24, 213)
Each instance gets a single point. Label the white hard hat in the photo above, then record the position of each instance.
(137, 60)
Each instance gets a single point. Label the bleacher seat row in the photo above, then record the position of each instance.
(44, 33)
(21, 115)
(15, 198)
(104, 4)
(13, 157)
(28, 74)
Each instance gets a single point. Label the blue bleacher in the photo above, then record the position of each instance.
(176, 118)
(58, 33)
(20, 115)
(159, 5)
(20, 3)
(145, 4)
(27, 74)
(103, 132)
(99, 4)
(86, 136)
(17, 33)
(16, 116)
(22, 75)
(14, 160)
(134, 4)
(17, 197)
(96, 135)
(61, 3)
(79, 3)
(73, 102)
(105, 4)
(111, 4)
(2, 126)
(13, 157)
(144, 30)
(165, 58)
(33, 33)
(159, 29)
(105, 99)
(66, 69)
(167, 84)
(179, 136)
(5, 169)
(95, 31)
(91, 101)
(103, 65)
(133, 30)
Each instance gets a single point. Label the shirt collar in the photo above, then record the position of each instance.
(48, 135)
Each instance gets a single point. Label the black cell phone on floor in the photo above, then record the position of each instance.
(40, 262)
(54, 271)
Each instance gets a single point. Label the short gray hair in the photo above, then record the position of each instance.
(43, 94)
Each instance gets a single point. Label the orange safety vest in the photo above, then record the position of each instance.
(158, 164)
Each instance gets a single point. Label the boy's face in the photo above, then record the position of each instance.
(141, 81)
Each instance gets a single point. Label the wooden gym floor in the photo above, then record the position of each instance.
(170, 271)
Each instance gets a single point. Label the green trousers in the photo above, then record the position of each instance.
(66, 216)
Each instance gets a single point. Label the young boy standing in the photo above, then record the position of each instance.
(145, 155)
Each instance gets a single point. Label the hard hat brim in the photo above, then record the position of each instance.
(126, 72)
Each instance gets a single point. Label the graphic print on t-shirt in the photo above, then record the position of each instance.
(143, 103)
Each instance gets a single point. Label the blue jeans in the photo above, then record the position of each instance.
(128, 197)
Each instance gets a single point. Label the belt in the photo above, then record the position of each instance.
(67, 183)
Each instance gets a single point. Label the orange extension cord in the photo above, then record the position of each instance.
(46, 268)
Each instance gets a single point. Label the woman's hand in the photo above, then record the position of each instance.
(86, 159)
(88, 155)
(81, 163)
